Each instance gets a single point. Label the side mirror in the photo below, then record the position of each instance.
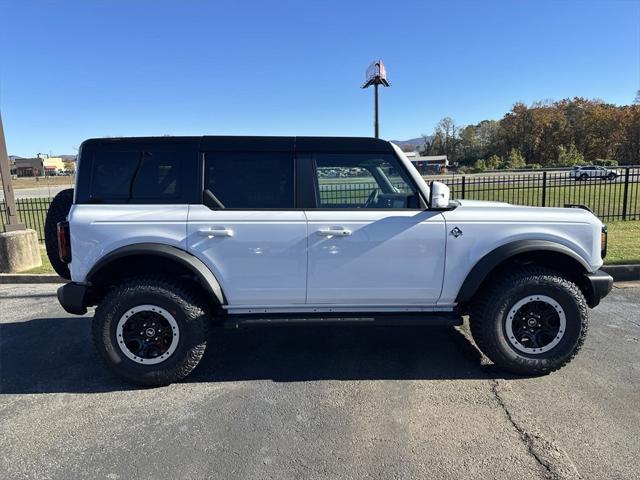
(439, 196)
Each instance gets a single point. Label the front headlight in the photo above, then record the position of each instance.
(603, 241)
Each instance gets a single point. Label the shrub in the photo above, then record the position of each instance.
(494, 162)
(479, 166)
(568, 157)
(605, 162)
(515, 159)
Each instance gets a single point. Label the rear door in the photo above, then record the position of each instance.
(247, 229)
(370, 242)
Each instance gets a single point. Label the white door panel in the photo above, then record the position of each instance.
(375, 257)
(259, 257)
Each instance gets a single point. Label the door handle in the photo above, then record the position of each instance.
(215, 232)
(334, 232)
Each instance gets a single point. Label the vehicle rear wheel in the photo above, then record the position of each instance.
(531, 323)
(58, 211)
(612, 176)
(151, 331)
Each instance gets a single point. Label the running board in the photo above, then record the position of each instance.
(435, 319)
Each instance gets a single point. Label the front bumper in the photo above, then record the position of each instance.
(73, 298)
(599, 285)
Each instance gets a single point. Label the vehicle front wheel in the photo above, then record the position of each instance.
(531, 323)
(612, 176)
(151, 331)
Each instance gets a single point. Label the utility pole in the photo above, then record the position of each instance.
(5, 171)
(376, 75)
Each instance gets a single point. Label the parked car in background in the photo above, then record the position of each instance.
(587, 172)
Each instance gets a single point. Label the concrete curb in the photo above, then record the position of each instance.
(6, 278)
(623, 273)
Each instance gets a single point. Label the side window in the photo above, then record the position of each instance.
(250, 180)
(157, 177)
(112, 173)
(362, 181)
(140, 175)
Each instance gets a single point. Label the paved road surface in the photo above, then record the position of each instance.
(316, 403)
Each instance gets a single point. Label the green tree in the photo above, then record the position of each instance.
(470, 146)
(568, 157)
(494, 162)
(479, 166)
(515, 159)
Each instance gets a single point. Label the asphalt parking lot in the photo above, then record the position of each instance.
(332, 402)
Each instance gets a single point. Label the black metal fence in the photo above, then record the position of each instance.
(616, 198)
(31, 211)
(609, 199)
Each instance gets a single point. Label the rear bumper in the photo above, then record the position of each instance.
(73, 298)
(599, 284)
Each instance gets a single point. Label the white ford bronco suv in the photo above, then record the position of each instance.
(169, 236)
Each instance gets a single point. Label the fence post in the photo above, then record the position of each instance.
(625, 198)
(544, 188)
(462, 197)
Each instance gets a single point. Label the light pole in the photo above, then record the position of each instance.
(376, 75)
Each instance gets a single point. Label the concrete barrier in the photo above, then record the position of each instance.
(623, 273)
(19, 251)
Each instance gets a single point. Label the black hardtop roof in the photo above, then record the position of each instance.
(265, 144)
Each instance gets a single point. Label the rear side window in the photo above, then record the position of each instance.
(140, 175)
(112, 173)
(157, 177)
(251, 180)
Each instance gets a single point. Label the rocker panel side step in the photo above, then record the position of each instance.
(435, 319)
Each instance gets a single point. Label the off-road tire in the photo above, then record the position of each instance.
(58, 211)
(487, 320)
(190, 312)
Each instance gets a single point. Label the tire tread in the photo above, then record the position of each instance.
(483, 309)
(195, 311)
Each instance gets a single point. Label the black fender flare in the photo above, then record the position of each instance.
(486, 264)
(192, 263)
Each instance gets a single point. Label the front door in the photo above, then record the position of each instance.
(370, 243)
(247, 230)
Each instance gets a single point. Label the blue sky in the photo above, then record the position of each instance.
(70, 70)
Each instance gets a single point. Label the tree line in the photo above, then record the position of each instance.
(546, 134)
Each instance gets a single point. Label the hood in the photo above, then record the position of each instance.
(504, 210)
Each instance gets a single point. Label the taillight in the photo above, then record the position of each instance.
(64, 245)
(603, 241)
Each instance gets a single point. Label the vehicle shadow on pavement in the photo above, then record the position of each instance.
(50, 355)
